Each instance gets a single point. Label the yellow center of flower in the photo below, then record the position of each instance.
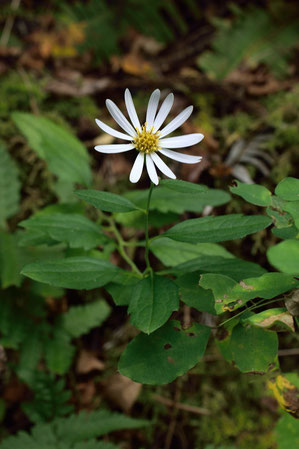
(147, 141)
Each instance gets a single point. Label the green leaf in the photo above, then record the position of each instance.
(95, 423)
(286, 233)
(253, 349)
(183, 186)
(10, 263)
(235, 268)
(195, 296)
(253, 193)
(73, 272)
(50, 398)
(122, 293)
(253, 37)
(285, 256)
(79, 320)
(278, 320)
(73, 229)
(136, 219)
(169, 352)
(217, 229)
(106, 201)
(59, 352)
(65, 155)
(292, 208)
(288, 189)
(9, 186)
(287, 431)
(152, 302)
(167, 200)
(230, 295)
(172, 253)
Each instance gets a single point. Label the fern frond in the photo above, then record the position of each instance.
(59, 351)
(253, 37)
(79, 320)
(89, 425)
(50, 398)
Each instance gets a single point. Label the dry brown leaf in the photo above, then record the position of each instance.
(122, 391)
(87, 361)
(87, 392)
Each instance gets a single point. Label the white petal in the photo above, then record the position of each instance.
(152, 108)
(180, 157)
(177, 121)
(114, 148)
(181, 141)
(150, 166)
(162, 166)
(164, 111)
(112, 131)
(137, 168)
(120, 118)
(131, 109)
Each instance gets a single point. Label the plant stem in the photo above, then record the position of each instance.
(148, 265)
(254, 306)
(121, 244)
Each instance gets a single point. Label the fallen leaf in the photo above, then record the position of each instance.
(122, 391)
(87, 361)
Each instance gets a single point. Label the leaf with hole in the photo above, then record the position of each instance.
(230, 295)
(167, 353)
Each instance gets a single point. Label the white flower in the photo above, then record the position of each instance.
(149, 139)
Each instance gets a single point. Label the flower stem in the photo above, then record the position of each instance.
(148, 265)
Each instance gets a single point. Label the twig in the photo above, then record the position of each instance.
(180, 406)
(9, 23)
(286, 352)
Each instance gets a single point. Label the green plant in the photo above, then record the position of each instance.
(74, 432)
(253, 37)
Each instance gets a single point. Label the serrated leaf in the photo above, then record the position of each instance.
(217, 229)
(59, 352)
(79, 320)
(106, 201)
(169, 352)
(152, 302)
(95, 423)
(167, 200)
(278, 320)
(73, 272)
(285, 256)
(73, 229)
(253, 349)
(9, 186)
(65, 155)
(253, 193)
(172, 253)
(230, 295)
(183, 186)
(288, 189)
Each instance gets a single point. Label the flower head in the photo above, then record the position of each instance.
(149, 139)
